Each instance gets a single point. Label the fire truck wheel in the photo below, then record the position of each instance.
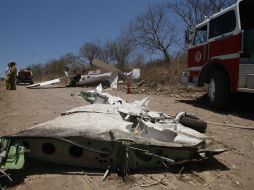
(194, 123)
(218, 89)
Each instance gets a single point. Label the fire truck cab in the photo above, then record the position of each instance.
(221, 53)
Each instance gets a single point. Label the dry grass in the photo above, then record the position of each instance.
(162, 74)
(155, 74)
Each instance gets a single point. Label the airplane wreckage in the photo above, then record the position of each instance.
(108, 79)
(109, 133)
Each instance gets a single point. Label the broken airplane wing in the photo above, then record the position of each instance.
(109, 133)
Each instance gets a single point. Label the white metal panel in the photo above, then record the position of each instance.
(244, 71)
(250, 81)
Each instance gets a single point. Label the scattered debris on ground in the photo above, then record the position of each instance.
(110, 134)
(179, 91)
(38, 106)
(108, 79)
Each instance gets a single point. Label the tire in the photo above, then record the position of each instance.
(194, 123)
(218, 90)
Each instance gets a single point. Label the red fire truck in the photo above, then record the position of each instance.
(221, 53)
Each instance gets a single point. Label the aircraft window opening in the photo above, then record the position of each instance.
(48, 148)
(76, 151)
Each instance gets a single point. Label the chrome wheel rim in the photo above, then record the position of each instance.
(211, 90)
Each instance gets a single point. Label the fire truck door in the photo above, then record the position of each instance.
(197, 54)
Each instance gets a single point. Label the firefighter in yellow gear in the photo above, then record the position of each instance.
(11, 77)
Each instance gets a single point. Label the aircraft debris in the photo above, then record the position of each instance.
(108, 79)
(50, 82)
(109, 134)
(141, 83)
(5, 175)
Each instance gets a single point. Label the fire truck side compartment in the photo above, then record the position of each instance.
(246, 67)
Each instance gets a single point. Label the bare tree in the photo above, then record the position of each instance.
(154, 31)
(54, 68)
(90, 51)
(37, 70)
(118, 51)
(138, 60)
(71, 60)
(193, 12)
(214, 6)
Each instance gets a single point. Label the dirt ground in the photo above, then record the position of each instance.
(234, 169)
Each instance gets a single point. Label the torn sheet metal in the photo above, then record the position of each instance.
(125, 136)
(11, 154)
(134, 74)
(108, 79)
(46, 83)
(111, 78)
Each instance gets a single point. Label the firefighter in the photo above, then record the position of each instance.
(7, 77)
(7, 69)
(11, 77)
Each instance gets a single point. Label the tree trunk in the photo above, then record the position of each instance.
(91, 63)
(166, 56)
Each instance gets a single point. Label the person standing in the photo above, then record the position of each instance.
(30, 71)
(7, 77)
(7, 69)
(11, 77)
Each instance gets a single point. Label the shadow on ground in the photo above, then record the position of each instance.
(34, 167)
(241, 105)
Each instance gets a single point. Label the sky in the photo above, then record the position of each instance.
(36, 31)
